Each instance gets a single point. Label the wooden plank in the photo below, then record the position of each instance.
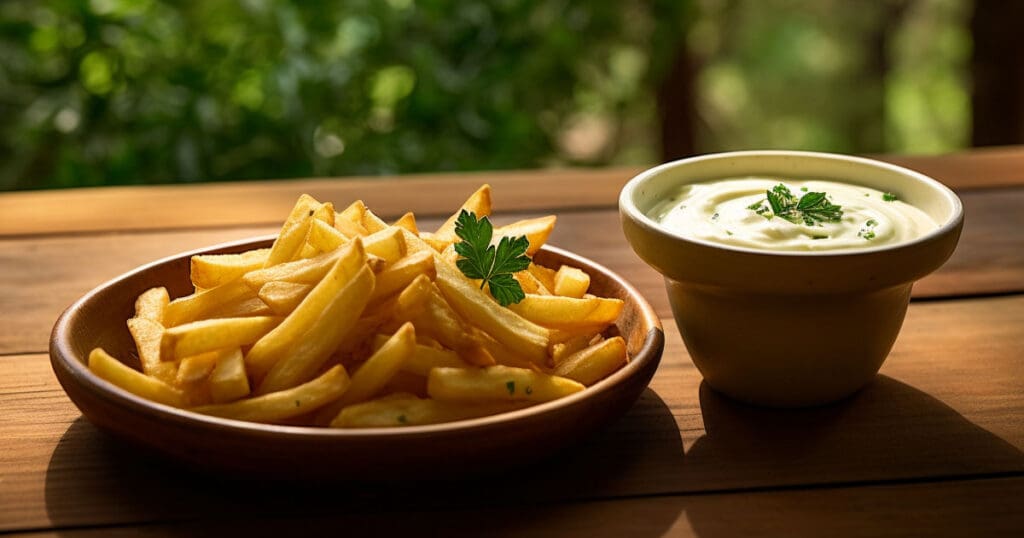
(978, 168)
(43, 275)
(948, 405)
(255, 203)
(953, 509)
(262, 203)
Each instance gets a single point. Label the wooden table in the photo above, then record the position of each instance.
(932, 447)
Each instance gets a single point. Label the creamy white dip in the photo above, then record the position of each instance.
(721, 211)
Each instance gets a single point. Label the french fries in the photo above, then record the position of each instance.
(349, 322)
(285, 404)
(497, 384)
(212, 270)
(133, 381)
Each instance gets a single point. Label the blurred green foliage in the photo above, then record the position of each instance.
(834, 75)
(126, 91)
(146, 91)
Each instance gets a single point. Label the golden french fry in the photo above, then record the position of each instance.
(497, 383)
(301, 209)
(437, 245)
(530, 284)
(381, 366)
(324, 213)
(449, 254)
(505, 325)
(387, 244)
(147, 335)
(290, 242)
(430, 313)
(350, 220)
(425, 357)
(133, 381)
(590, 365)
(543, 274)
(571, 282)
(213, 334)
(284, 404)
(325, 237)
(252, 306)
(197, 368)
(200, 305)
(408, 222)
(152, 304)
(282, 297)
(322, 337)
(212, 270)
(410, 410)
(281, 341)
(479, 203)
(372, 222)
(292, 238)
(414, 243)
(561, 336)
(228, 381)
(507, 356)
(306, 271)
(400, 274)
(557, 312)
(560, 350)
(307, 251)
(348, 228)
(375, 373)
(293, 234)
(536, 231)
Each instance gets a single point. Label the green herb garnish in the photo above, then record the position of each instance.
(889, 197)
(495, 267)
(868, 231)
(511, 386)
(811, 209)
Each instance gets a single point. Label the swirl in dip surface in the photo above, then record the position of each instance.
(725, 211)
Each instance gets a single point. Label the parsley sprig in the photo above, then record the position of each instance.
(495, 267)
(811, 209)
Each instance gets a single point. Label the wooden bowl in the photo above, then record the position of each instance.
(443, 450)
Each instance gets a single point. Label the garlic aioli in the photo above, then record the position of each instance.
(721, 212)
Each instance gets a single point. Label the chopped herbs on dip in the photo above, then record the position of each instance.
(789, 215)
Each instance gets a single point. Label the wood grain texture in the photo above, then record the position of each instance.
(935, 446)
(254, 203)
(946, 509)
(43, 275)
(945, 407)
(978, 168)
(261, 203)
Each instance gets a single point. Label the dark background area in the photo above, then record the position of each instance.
(107, 92)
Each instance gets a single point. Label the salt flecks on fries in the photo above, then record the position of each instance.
(349, 322)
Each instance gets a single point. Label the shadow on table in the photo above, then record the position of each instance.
(887, 431)
(93, 479)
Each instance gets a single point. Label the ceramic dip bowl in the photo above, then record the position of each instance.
(785, 328)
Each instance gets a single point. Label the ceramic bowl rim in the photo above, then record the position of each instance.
(628, 209)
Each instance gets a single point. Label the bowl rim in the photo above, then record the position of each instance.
(628, 209)
(62, 355)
